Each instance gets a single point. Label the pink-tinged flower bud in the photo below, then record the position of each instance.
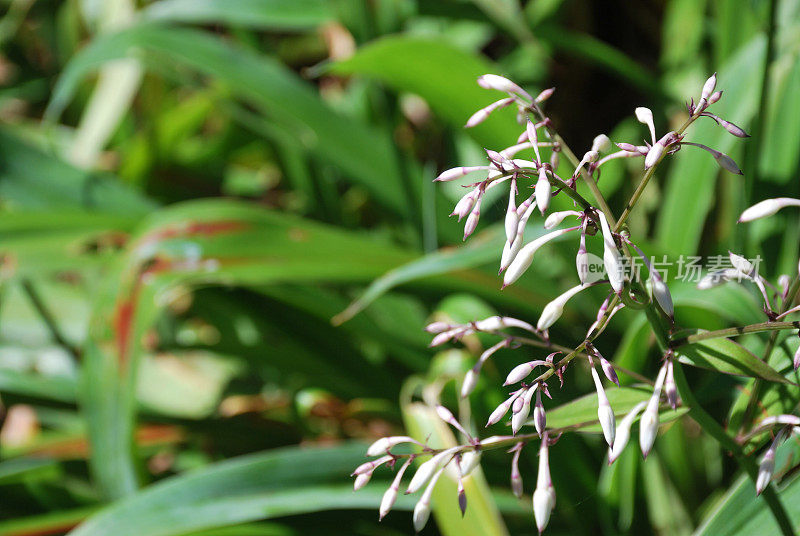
(544, 95)
(422, 510)
(520, 417)
(542, 191)
(624, 432)
(370, 466)
(516, 477)
(361, 481)
(539, 415)
(708, 87)
(533, 137)
(472, 219)
(604, 412)
(611, 256)
(544, 497)
(445, 336)
(608, 370)
(767, 465)
(465, 204)
(601, 143)
(648, 425)
(503, 408)
(437, 327)
(510, 251)
(500, 83)
(715, 97)
(469, 461)
(458, 172)
(553, 310)
(768, 207)
(732, 128)
(384, 444)
(524, 258)
(427, 469)
(796, 360)
(645, 116)
(481, 115)
(556, 218)
(631, 148)
(670, 388)
(512, 218)
(494, 323)
(390, 496)
(520, 372)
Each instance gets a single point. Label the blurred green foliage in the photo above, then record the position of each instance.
(191, 190)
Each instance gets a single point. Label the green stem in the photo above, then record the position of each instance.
(731, 332)
(712, 428)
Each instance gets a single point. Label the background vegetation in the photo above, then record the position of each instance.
(191, 190)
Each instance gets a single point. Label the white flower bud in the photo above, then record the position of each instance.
(481, 115)
(512, 218)
(557, 217)
(465, 204)
(648, 425)
(653, 155)
(796, 360)
(502, 409)
(645, 116)
(741, 264)
(544, 497)
(510, 251)
(437, 327)
(544, 95)
(469, 461)
(458, 172)
(370, 466)
(601, 143)
(604, 412)
(500, 83)
(542, 191)
(469, 383)
(390, 496)
(767, 465)
(768, 207)
(427, 469)
(708, 87)
(520, 417)
(670, 388)
(361, 481)
(422, 510)
(624, 432)
(611, 256)
(715, 97)
(472, 219)
(519, 372)
(553, 310)
(524, 258)
(384, 444)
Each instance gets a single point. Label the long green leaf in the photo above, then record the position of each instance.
(364, 153)
(273, 14)
(724, 355)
